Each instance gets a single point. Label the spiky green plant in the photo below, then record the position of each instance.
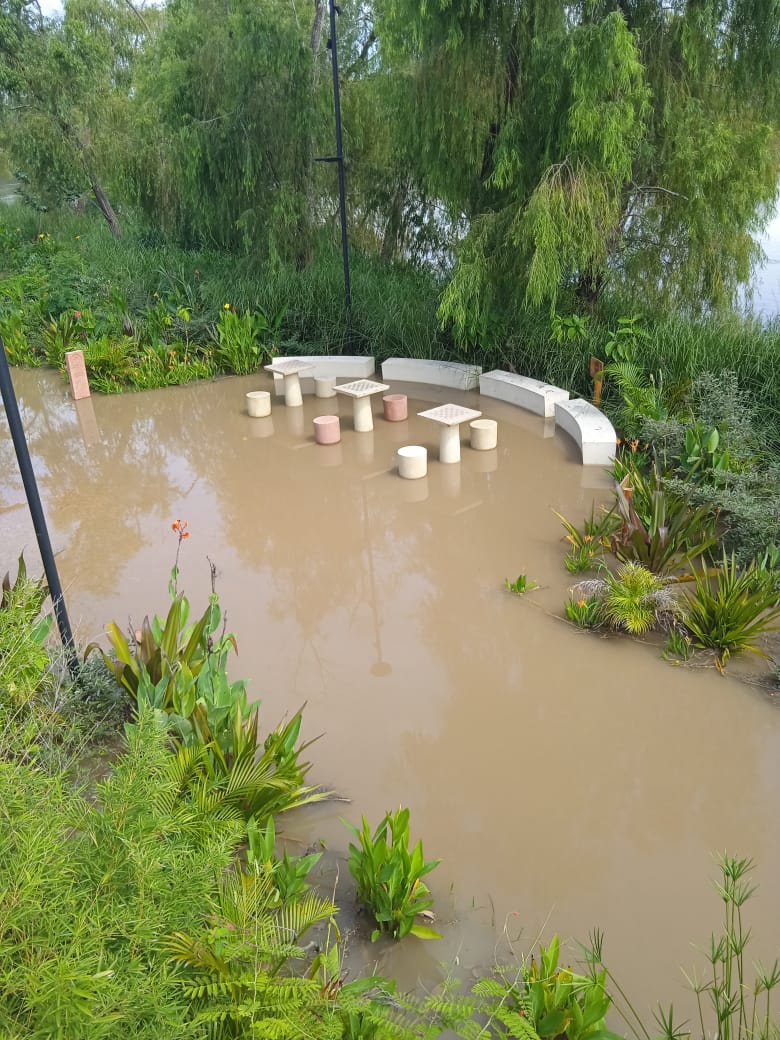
(633, 599)
(730, 609)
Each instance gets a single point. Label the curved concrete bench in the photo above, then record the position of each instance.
(531, 394)
(435, 373)
(590, 428)
(340, 366)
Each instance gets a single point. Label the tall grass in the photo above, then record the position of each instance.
(394, 307)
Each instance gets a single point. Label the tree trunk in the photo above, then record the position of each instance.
(106, 208)
(393, 235)
(316, 29)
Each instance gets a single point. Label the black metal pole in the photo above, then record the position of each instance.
(36, 511)
(340, 154)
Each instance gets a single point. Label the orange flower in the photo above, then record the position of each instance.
(581, 603)
(588, 538)
(634, 445)
(180, 527)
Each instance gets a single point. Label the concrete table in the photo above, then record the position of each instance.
(360, 391)
(450, 416)
(290, 370)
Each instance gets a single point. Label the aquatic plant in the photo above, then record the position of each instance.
(633, 599)
(730, 608)
(389, 876)
(545, 1000)
(244, 341)
(520, 585)
(678, 646)
(591, 541)
(585, 612)
(663, 532)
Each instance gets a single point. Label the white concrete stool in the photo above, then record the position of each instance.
(412, 462)
(327, 429)
(258, 403)
(395, 407)
(324, 386)
(484, 434)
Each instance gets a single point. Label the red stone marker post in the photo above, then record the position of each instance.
(77, 374)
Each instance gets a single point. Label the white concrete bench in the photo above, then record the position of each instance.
(531, 394)
(590, 428)
(342, 366)
(435, 373)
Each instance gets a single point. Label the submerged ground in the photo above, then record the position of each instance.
(566, 781)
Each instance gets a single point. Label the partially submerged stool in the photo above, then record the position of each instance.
(395, 407)
(484, 434)
(258, 403)
(327, 429)
(324, 386)
(412, 461)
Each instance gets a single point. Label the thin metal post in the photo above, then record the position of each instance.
(36, 511)
(340, 154)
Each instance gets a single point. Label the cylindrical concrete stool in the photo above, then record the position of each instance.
(258, 403)
(327, 429)
(484, 434)
(395, 407)
(324, 386)
(412, 461)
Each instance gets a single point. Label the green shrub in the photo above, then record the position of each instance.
(23, 657)
(90, 890)
(389, 876)
(544, 1000)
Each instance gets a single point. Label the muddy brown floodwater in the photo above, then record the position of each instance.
(566, 781)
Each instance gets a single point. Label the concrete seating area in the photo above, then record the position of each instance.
(435, 373)
(534, 396)
(578, 418)
(348, 366)
(590, 428)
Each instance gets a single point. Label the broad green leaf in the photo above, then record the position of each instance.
(423, 931)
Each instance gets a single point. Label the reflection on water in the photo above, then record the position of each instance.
(567, 781)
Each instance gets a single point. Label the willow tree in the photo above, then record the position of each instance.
(228, 109)
(66, 86)
(592, 142)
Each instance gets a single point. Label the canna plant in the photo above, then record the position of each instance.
(289, 873)
(389, 876)
(521, 585)
(545, 1000)
(245, 341)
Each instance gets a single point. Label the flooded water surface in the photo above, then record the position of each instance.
(566, 780)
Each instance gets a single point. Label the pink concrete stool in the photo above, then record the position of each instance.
(395, 407)
(327, 429)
